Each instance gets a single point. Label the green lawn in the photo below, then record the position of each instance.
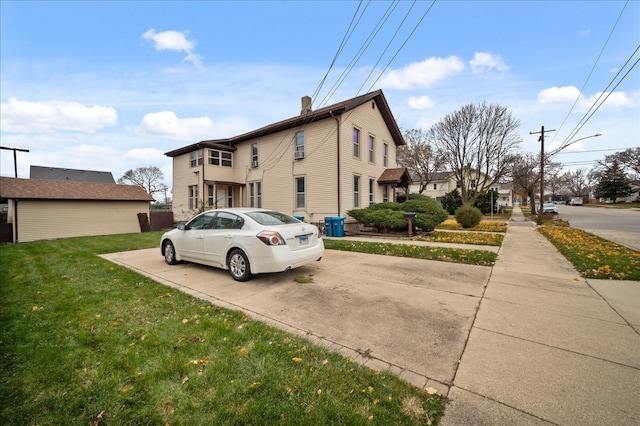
(85, 341)
(593, 256)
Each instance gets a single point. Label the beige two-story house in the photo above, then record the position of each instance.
(316, 164)
(444, 182)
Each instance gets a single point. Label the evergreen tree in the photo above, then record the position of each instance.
(613, 183)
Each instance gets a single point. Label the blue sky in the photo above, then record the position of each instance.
(112, 86)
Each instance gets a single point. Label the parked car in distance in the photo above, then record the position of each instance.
(245, 241)
(576, 201)
(549, 208)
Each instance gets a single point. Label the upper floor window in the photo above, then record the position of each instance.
(300, 141)
(220, 158)
(254, 155)
(385, 155)
(473, 183)
(300, 193)
(458, 184)
(372, 143)
(195, 158)
(356, 142)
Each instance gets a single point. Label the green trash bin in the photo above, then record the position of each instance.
(338, 226)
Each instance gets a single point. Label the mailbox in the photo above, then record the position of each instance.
(409, 215)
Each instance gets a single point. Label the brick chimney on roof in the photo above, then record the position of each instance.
(306, 105)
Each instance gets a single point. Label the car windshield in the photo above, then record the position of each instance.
(272, 218)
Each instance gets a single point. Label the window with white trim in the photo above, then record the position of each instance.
(255, 194)
(300, 193)
(372, 186)
(356, 191)
(220, 158)
(372, 143)
(300, 141)
(193, 196)
(195, 158)
(254, 155)
(385, 155)
(385, 194)
(356, 142)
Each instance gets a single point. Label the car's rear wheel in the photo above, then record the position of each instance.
(239, 265)
(170, 253)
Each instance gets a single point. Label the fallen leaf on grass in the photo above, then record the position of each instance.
(296, 359)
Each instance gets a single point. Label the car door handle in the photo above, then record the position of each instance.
(199, 238)
(228, 236)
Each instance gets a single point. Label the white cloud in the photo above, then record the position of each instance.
(556, 94)
(44, 117)
(173, 40)
(483, 62)
(167, 125)
(568, 94)
(615, 100)
(422, 74)
(421, 102)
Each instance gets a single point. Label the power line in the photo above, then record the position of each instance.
(591, 72)
(589, 113)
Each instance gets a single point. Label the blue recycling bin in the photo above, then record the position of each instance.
(300, 218)
(328, 226)
(338, 226)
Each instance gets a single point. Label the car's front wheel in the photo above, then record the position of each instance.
(239, 265)
(170, 253)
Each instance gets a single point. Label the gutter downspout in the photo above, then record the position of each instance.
(338, 159)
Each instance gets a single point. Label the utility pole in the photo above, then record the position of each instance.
(541, 139)
(15, 159)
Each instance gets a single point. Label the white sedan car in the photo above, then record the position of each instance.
(245, 241)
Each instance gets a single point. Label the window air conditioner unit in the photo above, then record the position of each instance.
(254, 164)
(298, 155)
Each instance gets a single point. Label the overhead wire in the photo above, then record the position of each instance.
(590, 73)
(597, 105)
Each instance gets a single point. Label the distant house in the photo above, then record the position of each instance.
(47, 209)
(55, 173)
(445, 182)
(316, 164)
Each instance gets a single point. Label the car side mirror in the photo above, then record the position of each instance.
(182, 227)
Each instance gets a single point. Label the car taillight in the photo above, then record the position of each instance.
(271, 238)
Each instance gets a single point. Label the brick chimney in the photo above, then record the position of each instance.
(306, 105)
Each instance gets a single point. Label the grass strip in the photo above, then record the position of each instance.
(471, 257)
(593, 256)
(476, 238)
(84, 341)
(484, 226)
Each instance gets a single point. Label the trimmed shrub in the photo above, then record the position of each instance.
(468, 216)
(387, 217)
(387, 220)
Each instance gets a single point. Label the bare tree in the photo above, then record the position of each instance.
(525, 174)
(150, 178)
(420, 157)
(477, 142)
(578, 182)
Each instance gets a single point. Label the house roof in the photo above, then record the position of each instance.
(38, 189)
(399, 177)
(55, 173)
(302, 119)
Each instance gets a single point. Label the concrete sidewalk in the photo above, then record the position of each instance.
(547, 346)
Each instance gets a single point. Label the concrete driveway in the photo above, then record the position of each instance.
(412, 317)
